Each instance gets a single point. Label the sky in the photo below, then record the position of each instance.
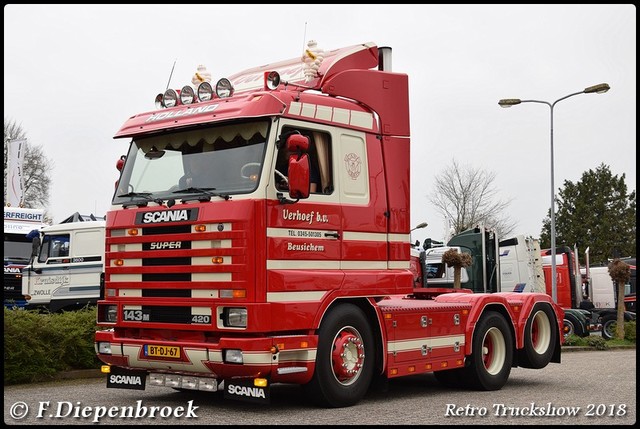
(73, 74)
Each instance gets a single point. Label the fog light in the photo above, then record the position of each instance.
(208, 384)
(190, 383)
(156, 379)
(172, 380)
(233, 356)
(104, 348)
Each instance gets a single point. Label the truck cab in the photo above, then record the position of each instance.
(67, 268)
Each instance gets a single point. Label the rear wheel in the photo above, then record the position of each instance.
(609, 327)
(573, 326)
(489, 365)
(345, 358)
(540, 336)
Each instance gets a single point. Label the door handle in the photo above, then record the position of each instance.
(332, 234)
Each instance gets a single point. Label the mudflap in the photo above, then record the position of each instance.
(120, 378)
(244, 390)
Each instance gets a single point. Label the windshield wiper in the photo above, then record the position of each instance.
(145, 197)
(206, 191)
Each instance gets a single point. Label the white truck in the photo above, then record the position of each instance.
(67, 271)
(18, 223)
(519, 265)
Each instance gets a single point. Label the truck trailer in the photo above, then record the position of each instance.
(237, 274)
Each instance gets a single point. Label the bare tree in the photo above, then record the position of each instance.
(466, 196)
(36, 168)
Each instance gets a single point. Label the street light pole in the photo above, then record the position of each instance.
(508, 102)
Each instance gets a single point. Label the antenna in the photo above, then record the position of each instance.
(304, 36)
(171, 74)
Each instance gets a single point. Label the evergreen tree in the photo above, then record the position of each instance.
(595, 212)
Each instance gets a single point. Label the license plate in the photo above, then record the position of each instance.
(162, 351)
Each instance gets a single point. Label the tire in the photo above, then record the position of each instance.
(490, 362)
(540, 337)
(345, 359)
(572, 326)
(609, 327)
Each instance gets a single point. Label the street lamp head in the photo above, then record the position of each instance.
(598, 89)
(508, 102)
(420, 225)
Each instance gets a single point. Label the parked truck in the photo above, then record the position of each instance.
(524, 267)
(250, 278)
(514, 264)
(589, 292)
(19, 222)
(67, 267)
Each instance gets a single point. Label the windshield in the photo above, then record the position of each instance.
(218, 161)
(17, 248)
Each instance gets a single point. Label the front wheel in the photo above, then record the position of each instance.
(490, 362)
(345, 358)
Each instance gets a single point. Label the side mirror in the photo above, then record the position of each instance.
(120, 162)
(35, 246)
(299, 182)
(299, 167)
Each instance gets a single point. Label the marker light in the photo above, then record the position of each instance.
(205, 91)
(170, 98)
(187, 95)
(271, 80)
(224, 89)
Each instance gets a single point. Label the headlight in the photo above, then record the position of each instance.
(234, 317)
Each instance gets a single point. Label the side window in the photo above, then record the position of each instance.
(54, 246)
(320, 159)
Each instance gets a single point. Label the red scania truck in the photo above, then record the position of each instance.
(284, 257)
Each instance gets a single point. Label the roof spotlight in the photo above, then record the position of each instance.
(170, 98)
(187, 95)
(205, 91)
(224, 89)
